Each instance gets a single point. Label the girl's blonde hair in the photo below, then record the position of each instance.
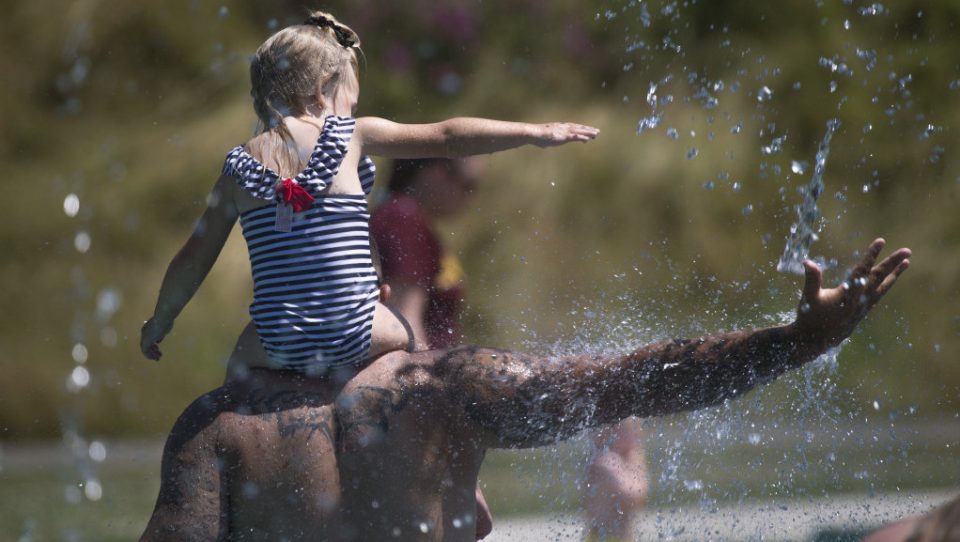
(290, 71)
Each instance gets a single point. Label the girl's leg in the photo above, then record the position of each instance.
(392, 332)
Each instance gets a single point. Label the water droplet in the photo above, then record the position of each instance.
(81, 242)
(649, 123)
(798, 167)
(79, 379)
(872, 10)
(876, 405)
(764, 94)
(108, 303)
(457, 523)
(79, 353)
(424, 528)
(846, 24)
(748, 210)
(753, 438)
(692, 153)
(866, 188)
(224, 12)
(92, 489)
(71, 205)
(672, 133)
(709, 185)
(97, 451)
(775, 146)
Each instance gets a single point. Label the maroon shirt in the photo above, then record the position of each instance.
(410, 253)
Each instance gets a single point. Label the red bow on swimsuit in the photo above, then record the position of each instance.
(294, 195)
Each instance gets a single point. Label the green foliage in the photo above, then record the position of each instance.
(130, 106)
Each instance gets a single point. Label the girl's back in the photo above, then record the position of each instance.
(269, 150)
(315, 289)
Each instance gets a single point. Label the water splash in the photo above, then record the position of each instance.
(803, 232)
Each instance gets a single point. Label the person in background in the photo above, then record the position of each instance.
(426, 280)
(616, 485)
(942, 524)
(427, 286)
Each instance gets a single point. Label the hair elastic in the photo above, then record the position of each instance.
(343, 36)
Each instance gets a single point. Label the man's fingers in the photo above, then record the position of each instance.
(890, 263)
(866, 263)
(813, 280)
(891, 277)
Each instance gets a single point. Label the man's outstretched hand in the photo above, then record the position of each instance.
(828, 316)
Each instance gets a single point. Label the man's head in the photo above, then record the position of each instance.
(442, 185)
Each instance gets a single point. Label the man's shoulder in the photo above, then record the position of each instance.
(200, 418)
(393, 378)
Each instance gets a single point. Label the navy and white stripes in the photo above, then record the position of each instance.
(315, 287)
(261, 181)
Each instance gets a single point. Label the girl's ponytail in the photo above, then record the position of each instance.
(289, 71)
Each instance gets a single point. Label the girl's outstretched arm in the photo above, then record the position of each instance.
(191, 264)
(462, 136)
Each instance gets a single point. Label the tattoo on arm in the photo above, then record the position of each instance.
(364, 414)
(526, 401)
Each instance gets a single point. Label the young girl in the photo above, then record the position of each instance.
(299, 189)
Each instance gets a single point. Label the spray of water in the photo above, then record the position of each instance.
(804, 232)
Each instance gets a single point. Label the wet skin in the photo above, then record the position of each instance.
(394, 449)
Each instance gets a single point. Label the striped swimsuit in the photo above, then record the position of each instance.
(314, 288)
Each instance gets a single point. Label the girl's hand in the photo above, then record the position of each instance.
(151, 334)
(558, 133)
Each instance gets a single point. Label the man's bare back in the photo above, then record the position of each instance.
(394, 450)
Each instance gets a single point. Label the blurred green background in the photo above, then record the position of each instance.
(117, 115)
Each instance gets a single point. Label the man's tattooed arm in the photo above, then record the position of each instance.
(526, 401)
(191, 503)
